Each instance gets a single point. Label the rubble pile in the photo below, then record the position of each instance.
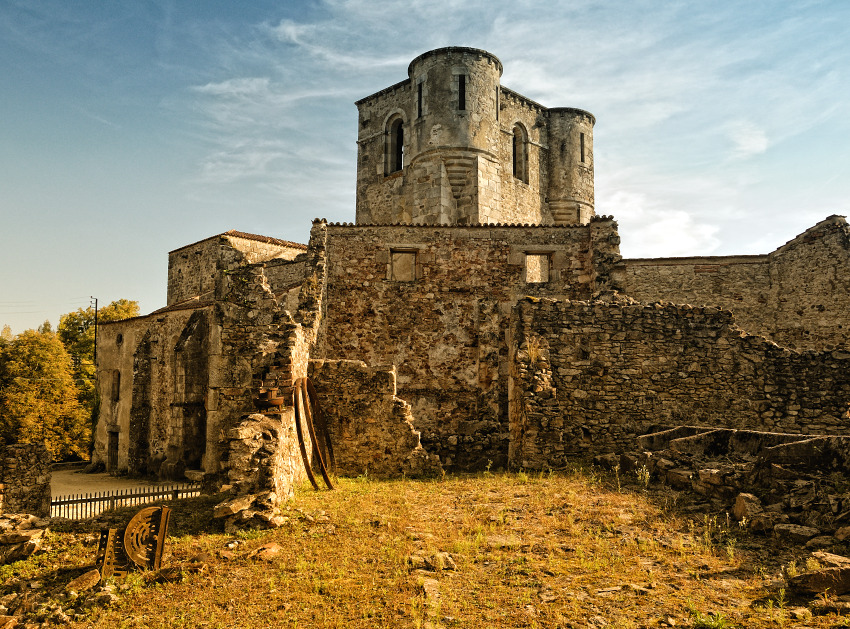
(21, 535)
(795, 487)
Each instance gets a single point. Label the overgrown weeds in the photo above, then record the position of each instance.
(527, 550)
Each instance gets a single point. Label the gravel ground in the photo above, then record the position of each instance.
(65, 482)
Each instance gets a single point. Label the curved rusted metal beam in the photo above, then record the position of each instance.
(322, 426)
(309, 394)
(296, 403)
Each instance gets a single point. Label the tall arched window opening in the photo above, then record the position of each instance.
(520, 153)
(395, 146)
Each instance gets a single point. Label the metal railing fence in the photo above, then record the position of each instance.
(79, 506)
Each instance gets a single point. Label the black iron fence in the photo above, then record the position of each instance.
(78, 506)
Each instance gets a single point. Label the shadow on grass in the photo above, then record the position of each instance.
(189, 516)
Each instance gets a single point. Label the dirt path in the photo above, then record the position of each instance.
(65, 482)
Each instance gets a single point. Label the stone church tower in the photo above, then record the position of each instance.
(451, 146)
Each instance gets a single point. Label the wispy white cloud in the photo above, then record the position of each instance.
(651, 228)
(748, 138)
(100, 119)
(687, 98)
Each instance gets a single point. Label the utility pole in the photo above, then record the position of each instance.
(94, 299)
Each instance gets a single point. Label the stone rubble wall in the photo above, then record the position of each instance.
(25, 479)
(798, 296)
(284, 275)
(371, 429)
(262, 347)
(445, 330)
(193, 270)
(591, 376)
(21, 535)
(773, 483)
(261, 465)
(159, 381)
(262, 454)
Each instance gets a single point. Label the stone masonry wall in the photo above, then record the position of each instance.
(591, 376)
(810, 276)
(260, 453)
(371, 429)
(737, 283)
(116, 346)
(25, 479)
(141, 409)
(193, 269)
(444, 329)
(283, 275)
(523, 202)
(798, 296)
(261, 345)
(458, 164)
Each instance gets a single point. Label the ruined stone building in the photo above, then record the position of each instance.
(487, 301)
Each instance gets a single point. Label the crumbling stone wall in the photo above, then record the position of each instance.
(798, 296)
(590, 376)
(444, 327)
(141, 356)
(173, 367)
(261, 344)
(261, 461)
(25, 479)
(188, 371)
(193, 269)
(371, 429)
(285, 276)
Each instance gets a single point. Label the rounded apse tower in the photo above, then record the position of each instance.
(571, 189)
(456, 92)
(449, 145)
(453, 130)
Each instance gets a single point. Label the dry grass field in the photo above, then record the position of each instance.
(565, 549)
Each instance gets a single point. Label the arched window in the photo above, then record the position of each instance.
(520, 153)
(395, 145)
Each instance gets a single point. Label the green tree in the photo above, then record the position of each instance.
(38, 398)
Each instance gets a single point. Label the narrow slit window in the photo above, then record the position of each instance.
(461, 92)
(497, 103)
(394, 154)
(536, 268)
(519, 150)
(116, 385)
(419, 100)
(581, 142)
(402, 266)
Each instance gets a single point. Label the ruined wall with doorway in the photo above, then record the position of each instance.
(167, 415)
(137, 384)
(591, 376)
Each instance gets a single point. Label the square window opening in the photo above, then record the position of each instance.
(536, 268)
(403, 266)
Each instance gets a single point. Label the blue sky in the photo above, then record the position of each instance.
(129, 128)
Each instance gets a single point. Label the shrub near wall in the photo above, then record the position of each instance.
(590, 376)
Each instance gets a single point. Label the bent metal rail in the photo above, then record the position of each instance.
(79, 506)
